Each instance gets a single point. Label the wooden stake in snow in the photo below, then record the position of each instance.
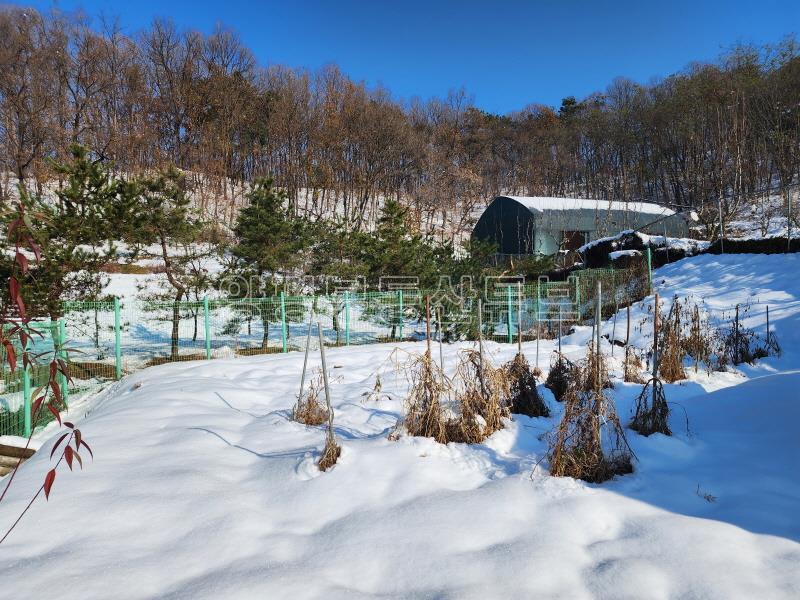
(559, 329)
(428, 324)
(614, 329)
(628, 328)
(767, 327)
(627, 338)
(441, 352)
(598, 317)
(519, 316)
(736, 346)
(598, 314)
(480, 345)
(538, 330)
(655, 350)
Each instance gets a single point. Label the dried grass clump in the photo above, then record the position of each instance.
(589, 442)
(308, 409)
(559, 377)
(330, 453)
(468, 427)
(652, 411)
(483, 395)
(524, 396)
(424, 414)
(479, 400)
(671, 346)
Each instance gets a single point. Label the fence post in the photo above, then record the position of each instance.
(347, 318)
(207, 327)
(649, 270)
(284, 344)
(577, 298)
(400, 324)
(26, 397)
(510, 308)
(62, 339)
(117, 340)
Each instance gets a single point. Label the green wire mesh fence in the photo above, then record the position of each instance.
(19, 385)
(104, 340)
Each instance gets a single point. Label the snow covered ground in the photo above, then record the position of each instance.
(202, 487)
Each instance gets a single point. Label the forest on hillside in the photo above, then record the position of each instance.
(143, 101)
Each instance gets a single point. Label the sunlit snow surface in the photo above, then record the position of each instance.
(202, 487)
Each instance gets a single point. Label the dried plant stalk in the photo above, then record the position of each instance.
(589, 442)
(652, 411)
(485, 389)
(524, 397)
(424, 415)
(671, 345)
(632, 367)
(330, 453)
(308, 409)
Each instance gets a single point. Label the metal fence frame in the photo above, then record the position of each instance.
(104, 340)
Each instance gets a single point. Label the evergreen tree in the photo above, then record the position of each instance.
(270, 243)
(397, 250)
(76, 231)
(166, 228)
(269, 240)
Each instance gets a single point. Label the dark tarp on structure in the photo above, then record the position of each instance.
(508, 224)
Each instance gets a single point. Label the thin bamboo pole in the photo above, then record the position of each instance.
(325, 380)
(655, 348)
(305, 360)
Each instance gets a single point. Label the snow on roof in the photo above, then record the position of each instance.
(541, 204)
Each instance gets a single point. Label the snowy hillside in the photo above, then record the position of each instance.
(202, 486)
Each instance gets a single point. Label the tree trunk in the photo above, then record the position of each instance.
(176, 317)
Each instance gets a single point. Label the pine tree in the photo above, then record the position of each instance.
(76, 232)
(165, 219)
(270, 243)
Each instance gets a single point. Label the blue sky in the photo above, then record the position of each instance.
(505, 54)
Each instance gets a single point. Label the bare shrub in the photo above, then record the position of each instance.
(308, 409)
(741, 344)
(597, 370)
(652, 411)
(700, 342)
(772, 346)
(480, 396)
(589, 442)
(524, 397)
(632, 367)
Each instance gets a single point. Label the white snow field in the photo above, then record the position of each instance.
(202, 487)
